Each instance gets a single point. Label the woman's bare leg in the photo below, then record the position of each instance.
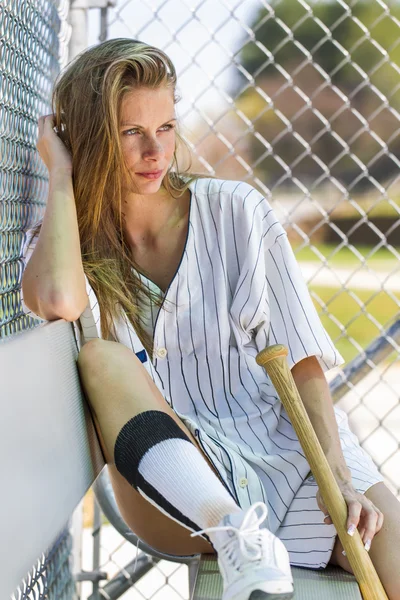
(385, 548)
(118, 388)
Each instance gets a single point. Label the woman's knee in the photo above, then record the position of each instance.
(90, 347)
(105, 365)
(112, 378)
(91, 355)
(100, 354)
(385, 548)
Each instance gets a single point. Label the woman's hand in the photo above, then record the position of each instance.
(52, 150)
(362, 514)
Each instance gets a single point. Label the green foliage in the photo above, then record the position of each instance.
(306, 121)
(359, 312)
(381, 260)
(310, 30)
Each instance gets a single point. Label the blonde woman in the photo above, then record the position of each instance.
(188, 277)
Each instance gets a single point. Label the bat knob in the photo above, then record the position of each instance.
(271, 352)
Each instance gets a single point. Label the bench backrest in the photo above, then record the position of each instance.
(48, 446)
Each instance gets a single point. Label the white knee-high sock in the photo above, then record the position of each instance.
(178, 471)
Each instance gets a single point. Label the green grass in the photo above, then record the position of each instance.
(343, 306)
(373, 204)
(382, 259)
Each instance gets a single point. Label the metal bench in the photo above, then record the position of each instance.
(329, 584)
(49, 449)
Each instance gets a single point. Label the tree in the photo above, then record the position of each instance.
(353, 59)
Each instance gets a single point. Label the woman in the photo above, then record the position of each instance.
(188, 277)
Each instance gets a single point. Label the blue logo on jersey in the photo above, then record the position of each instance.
(142, 356)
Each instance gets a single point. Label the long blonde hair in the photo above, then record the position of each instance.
(86, 101)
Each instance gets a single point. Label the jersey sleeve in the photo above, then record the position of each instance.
(275, 304)
(293, 318)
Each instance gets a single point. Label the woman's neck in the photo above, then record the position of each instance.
(147, 218)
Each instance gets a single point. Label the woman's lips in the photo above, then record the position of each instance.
(152, 175)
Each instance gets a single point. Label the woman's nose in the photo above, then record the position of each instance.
(152, 148)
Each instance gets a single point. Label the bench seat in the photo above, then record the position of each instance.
(328, 584)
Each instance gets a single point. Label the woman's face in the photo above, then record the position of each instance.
(147, 130)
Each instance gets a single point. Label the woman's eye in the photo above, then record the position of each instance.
(130, 132)
(167, 127)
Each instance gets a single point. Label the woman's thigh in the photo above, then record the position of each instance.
(385, 548)
(118, 387)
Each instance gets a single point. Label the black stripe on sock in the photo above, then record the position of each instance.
(166, 506)
(155, 495)
(138, 435)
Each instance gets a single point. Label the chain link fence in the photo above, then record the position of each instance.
(33, 45)
(51, 577)
(130, 573)
(301, 99)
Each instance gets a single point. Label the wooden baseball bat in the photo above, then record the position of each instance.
(273, 359)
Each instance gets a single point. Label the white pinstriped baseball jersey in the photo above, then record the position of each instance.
(238, 289)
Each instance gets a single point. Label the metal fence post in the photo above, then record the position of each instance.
(78, 20)
(96, 545)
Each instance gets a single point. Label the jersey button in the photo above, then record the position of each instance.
(243, 482)
(162, 352)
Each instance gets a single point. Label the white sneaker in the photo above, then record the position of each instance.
(254, 563)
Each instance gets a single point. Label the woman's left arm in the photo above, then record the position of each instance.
(314, 392)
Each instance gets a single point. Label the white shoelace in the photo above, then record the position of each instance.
(248, 535)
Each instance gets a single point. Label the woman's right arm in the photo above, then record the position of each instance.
(53, 282)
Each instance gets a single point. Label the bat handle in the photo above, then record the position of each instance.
(273, 359)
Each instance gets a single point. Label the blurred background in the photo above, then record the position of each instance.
(299, 98)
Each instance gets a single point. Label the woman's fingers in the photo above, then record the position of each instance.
(380, 519)
(354, 513)
(374, 521)
(364, 515)
(370, 520)
(322, 507)
(42, 125)
(46, 122)
(51, 148)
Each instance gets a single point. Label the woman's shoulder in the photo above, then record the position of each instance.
(238, 199)
(212, 186)
(238, 206)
